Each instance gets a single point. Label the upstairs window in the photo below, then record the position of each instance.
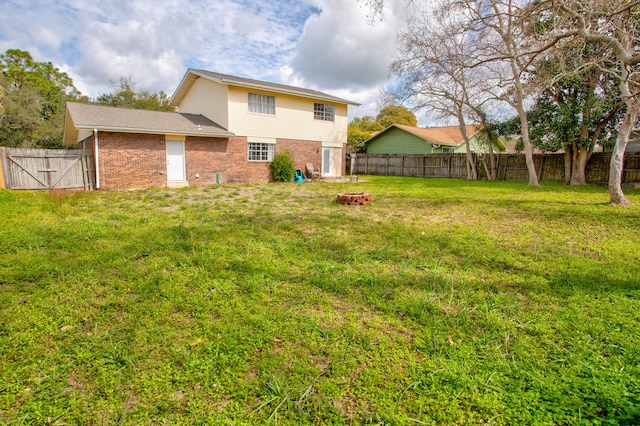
(262, 104)
(261, 151)
(323, 112)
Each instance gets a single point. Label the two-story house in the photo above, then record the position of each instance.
(225, 129)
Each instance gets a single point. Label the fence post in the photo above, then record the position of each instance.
(2, 152)
(506, 166)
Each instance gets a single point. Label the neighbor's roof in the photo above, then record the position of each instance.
(447, 135)
(106, 118)
(192, 75)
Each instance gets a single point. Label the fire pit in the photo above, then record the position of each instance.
(354, 198)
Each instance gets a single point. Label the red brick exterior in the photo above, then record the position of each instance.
(228, 158)
(133, 160)
(130, 160)
(303, 152)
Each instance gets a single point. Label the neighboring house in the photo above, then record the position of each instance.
(401, 139)
(227, 129)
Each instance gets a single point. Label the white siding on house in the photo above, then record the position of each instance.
(293, 118)
(209, 99)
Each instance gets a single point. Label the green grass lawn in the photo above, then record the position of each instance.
(442, 302)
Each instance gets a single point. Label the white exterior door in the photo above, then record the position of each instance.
(175, 161)
(327, 155)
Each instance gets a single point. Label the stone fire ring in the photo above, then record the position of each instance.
(354, 198)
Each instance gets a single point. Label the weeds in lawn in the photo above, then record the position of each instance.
(442, 302)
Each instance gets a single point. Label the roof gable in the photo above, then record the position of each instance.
(192, 75)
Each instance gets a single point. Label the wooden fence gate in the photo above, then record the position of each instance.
(47, 169)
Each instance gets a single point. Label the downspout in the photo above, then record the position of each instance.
(97, 159)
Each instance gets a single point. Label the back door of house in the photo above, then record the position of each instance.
(175, 161)
(326, 161)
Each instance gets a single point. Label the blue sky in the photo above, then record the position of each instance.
(327, 45)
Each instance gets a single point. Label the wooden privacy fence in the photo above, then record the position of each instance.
(509, 166)
(47, 169)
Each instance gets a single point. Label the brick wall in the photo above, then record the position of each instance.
(228, 158)
(133, 160)
(303, 152)
(225, 156)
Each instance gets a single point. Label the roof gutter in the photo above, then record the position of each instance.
(154, 131)
(97, 158)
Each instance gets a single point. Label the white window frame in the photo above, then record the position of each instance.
(261, 104)
(324, 112)
(260, 151)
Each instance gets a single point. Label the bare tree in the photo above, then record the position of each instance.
(433, 74)
(500, 44)
(513, 41)
(509, 53)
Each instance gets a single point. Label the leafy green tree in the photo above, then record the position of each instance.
(2, 92)
(359, 130)
(576, 112)
(366, 124)
(34, 101)
(396, 114)
(21, 116)
(125, 95)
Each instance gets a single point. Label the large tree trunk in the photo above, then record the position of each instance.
(616, 166)
(580, 159)
(492, 161)
(581, 155)
(472, 171)
(528, 150)
(617, 159)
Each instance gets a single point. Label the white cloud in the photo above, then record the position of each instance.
(328, 45)
(342, 51)
(340, 47)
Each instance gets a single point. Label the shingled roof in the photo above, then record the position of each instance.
(447, 135)
(193, 74)
(106, 118)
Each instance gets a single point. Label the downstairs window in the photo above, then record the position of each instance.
(261, 151)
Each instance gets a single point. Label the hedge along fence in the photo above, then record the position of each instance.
(509, 166)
